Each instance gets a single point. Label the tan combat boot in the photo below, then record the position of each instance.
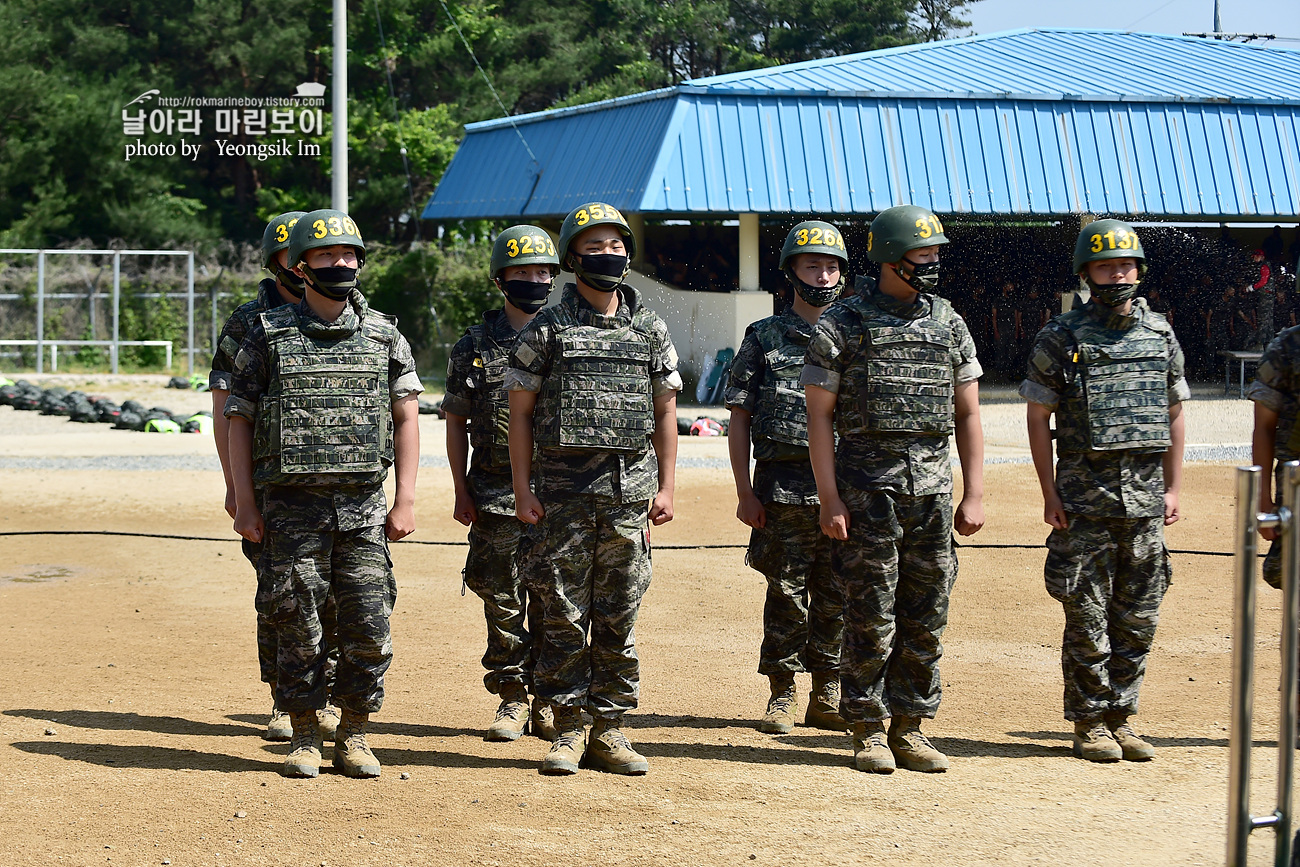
(512, 714)
(542, 720)
(352, 755)
(1132, 747)
(569, 745)
(1094, 742)
(824, 704)
(304, 750)
(782, 707)
(912, 749)
(871, 751)
(328, 720)
(279, 728)
(610, 750)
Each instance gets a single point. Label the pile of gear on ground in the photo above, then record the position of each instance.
(97, 409)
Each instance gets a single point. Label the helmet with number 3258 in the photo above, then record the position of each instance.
(898, 230)
(523, 245)
(324, 228)
(1108, 239)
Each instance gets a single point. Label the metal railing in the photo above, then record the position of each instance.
(1286, 520)
(112, 349)
(117, 296)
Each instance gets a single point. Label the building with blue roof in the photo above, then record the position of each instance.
(1023, 125)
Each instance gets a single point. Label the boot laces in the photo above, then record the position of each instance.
(1098, 732)
(511, 710)
(783, 701)
(303, 739)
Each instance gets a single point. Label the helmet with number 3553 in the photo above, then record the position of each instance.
(276, 235)
(896, 231)
(324, 228)
(523, 245)
(1108, 239)
(583, 217)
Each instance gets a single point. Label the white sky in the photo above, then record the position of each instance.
(1279, 17)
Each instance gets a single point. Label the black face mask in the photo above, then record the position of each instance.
(335, 283)
(525, 294)
(923, 276)
(817, 296)
(1111, 294)
(603, 271)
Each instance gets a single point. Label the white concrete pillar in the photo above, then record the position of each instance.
(748, 275)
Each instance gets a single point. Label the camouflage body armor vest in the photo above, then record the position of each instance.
(1117, 396)
(598, 396)
(901, 381)
(779, 429)
(489, 425)
(326, 416)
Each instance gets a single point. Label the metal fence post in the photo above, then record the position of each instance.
(1290, 638)
(189, 301)
(117, 304)
(40, 311)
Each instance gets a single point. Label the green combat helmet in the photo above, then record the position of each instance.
(523, 245)
(819, 238)
(581, 219)
(276, 238)
(327, 228)
(900, 229)
(897, 231)
(1108, 239)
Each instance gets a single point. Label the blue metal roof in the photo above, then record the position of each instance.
(1011, 124)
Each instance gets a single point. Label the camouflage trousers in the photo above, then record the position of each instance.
(268, 641)
(896, 571)
(304, 566)
(590, 559)
(514, 616)
(1110, 575)
(803, 617)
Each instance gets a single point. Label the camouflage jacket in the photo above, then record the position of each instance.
(470, 394)
(1277, 386)
(234, 331)
(912, 464)
(621, 476)
(253, 373)
(1126, 483)
(775, 481)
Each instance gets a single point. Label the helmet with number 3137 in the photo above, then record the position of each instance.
(324, 228)
(1108, 239)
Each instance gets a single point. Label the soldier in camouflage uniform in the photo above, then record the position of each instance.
(322, 403)
(593, 384)
(1112, 373)
(893, 371)
(1276, 393)
(803, 617)
(285, 287)
(524, 265)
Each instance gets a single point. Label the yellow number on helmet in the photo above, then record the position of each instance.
(597, 211)
(923, 228)
(336, 226)
(1125, 240)
(320, 230)
(871, 236)
(581, 218)
(512, 248)
(938, 227)
(350, 227)
(281, 233)
(550, 246)
(801, 237)
(839, 241)
(829, 238)
(1096, 244)
(526, 244)
(816, 236)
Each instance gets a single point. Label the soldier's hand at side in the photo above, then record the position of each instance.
(751, 512)
(464, 510)
(834, 519)
(1266, 506)
(528, 508)
(1054, 511)
(969, 518)
(230, 502)
(1171, 508)
(661, 508)
(248, 523)
(400, 523)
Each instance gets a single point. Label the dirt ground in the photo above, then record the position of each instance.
(130, 710)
